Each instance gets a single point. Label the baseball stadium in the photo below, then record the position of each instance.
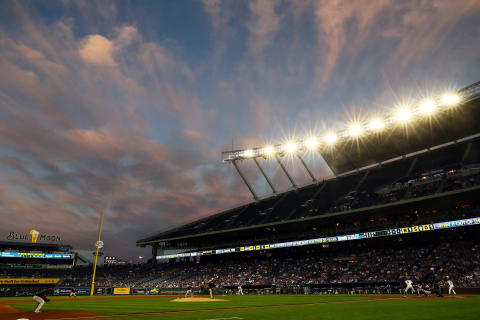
(239, 160)
(394, 233)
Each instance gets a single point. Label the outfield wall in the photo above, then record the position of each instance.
(333, 288)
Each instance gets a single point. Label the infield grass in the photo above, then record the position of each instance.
(272, 307)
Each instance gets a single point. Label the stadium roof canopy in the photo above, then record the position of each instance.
(408, 129)
(452, 138)
(401, 139)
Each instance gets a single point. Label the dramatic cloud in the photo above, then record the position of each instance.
(263, 26)
(97, 50)
(346, 29)
(342, 26)
(125, 109)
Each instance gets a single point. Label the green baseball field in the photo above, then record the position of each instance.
(248, 307)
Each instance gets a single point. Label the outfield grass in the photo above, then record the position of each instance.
(278, 307)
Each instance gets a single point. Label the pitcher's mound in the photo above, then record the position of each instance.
(193, 299)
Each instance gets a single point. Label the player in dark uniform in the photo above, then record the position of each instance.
(40, 298)
(432, 278)
(211, 286)
(189, 292)
(438, 288)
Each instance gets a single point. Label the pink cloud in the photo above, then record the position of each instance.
(345, 28)
(334, 35)
(425, 28)
(263, 25)
(127, 35)
(220, 14)
(97, 50)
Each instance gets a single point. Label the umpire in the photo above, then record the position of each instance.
(432, 278)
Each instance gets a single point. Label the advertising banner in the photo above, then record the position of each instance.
(32, 236)
(139, 291)
(62, 291)
(99, 290)
(6, 281)
(154, 291)
(121, 290)
(83, 291)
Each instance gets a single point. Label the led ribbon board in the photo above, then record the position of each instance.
(356, 236)
(35, 255)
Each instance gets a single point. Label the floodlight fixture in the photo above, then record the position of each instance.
(269, 150)
(427, 107)
(331, 138)
(377, 125)
(355, 130)
(290, 147)
(450, 99)
(312, 143)
(248, 153)
(403, 115)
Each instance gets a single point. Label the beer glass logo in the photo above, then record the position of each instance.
(34, 233)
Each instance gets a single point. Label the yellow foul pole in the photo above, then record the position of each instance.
(96, 253)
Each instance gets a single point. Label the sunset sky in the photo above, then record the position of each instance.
(126, 106)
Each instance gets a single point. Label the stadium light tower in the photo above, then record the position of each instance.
(403, 115)
(355, 130)
(265, 176)
(330, 140)
(285, 171)
(427, 107)
(377, 125)
(290, 147)
(306, 168)
(450, 99)
(312, 143)
(250, 188)
(269, 151)
(249, 153)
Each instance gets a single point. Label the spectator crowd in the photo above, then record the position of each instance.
(425, 184)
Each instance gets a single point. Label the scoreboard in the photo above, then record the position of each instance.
(35, 255)
(356, 236)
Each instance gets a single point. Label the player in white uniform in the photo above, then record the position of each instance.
(409, 284)
(240, 290)
(451, 287)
